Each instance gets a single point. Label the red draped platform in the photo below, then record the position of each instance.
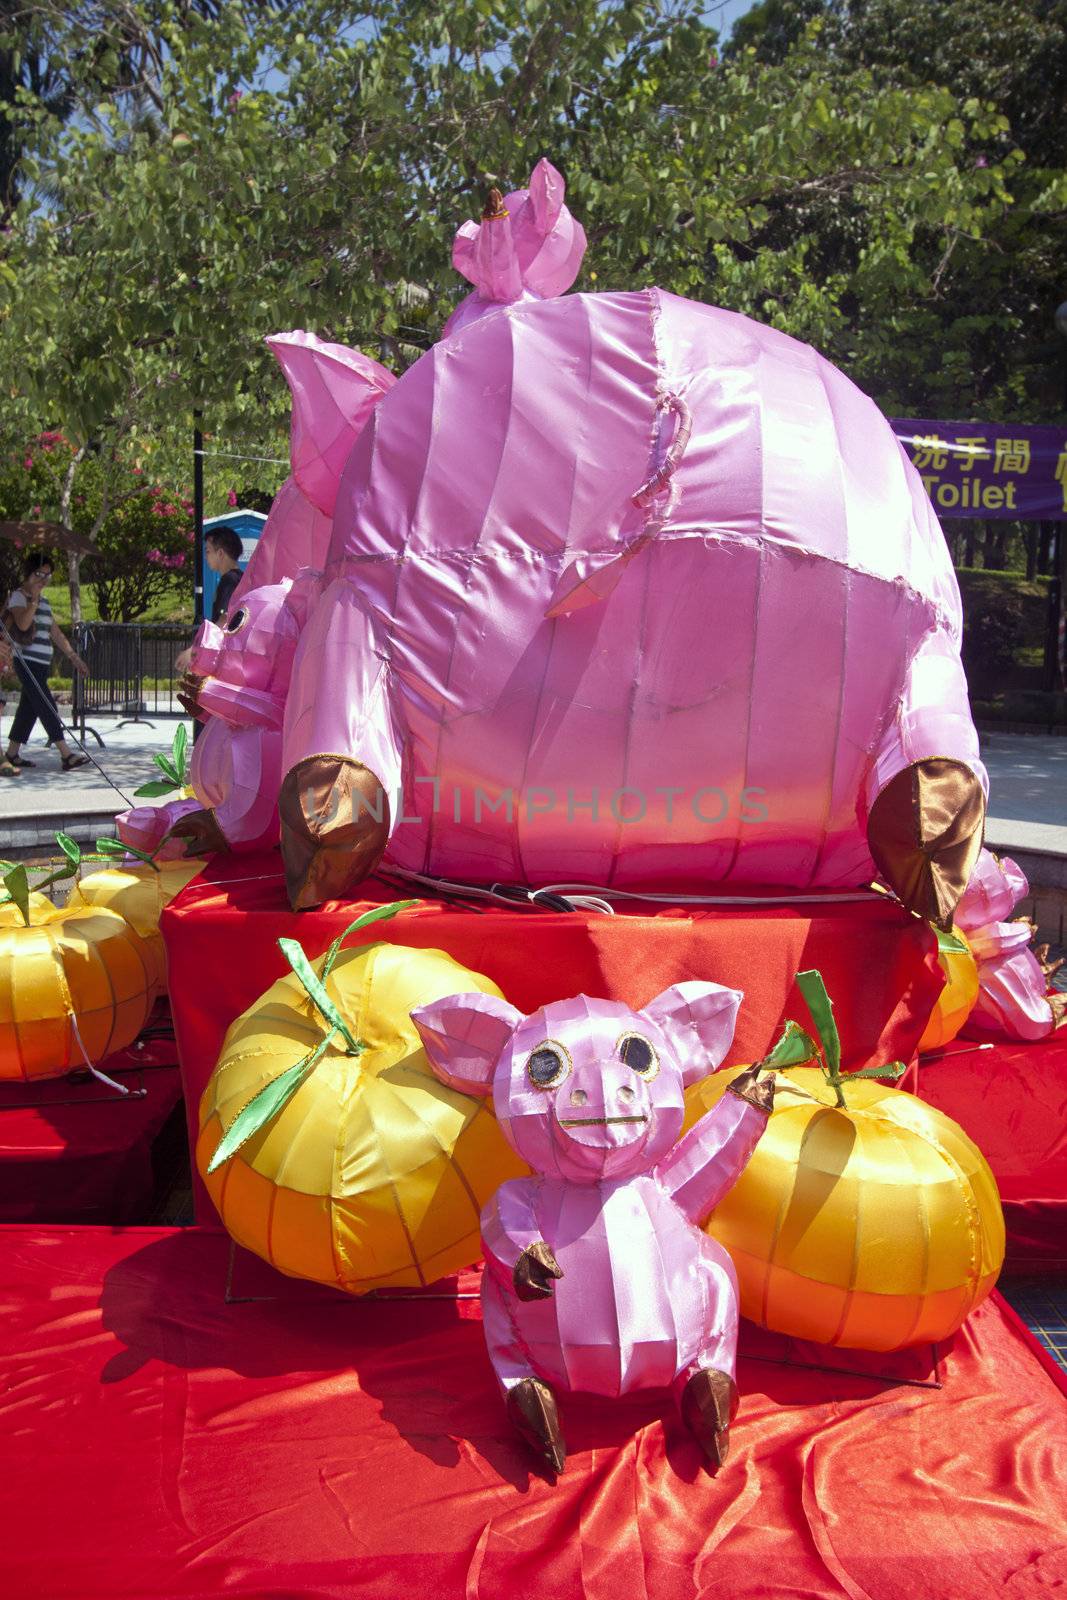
(221, 934)
(1012, 1100)
(160, 1442)
(73, 1150)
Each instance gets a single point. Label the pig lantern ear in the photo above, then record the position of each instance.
(334, 391)
(464, 1035)
(698, 1020)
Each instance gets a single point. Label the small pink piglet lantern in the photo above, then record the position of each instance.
(238, 683)
(597, 1275)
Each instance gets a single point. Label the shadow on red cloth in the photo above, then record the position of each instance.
(73, 1150)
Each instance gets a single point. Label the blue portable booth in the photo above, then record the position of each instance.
(248, 525)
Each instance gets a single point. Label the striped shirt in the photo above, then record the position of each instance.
(40, 646)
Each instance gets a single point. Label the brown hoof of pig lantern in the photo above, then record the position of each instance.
(334, 827)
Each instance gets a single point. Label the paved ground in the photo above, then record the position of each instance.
(1027, 788)
(83, 802)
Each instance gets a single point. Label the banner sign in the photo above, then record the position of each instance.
(989, 469)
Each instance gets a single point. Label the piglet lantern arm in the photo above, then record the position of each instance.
(464, 1035)
(697, 1020)
(707, 1162)
(515, 1253)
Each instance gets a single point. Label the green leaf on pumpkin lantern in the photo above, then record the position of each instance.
(18, 887)
(116, 847)
(293, 952)
(377, 915)
(264, 1106)
(892, 1070)
(151, 790)
(178, 750)
(792, 1050)
(168, 770)
(813, 989)
(70, 848)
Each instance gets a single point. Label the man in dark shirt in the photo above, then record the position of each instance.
(222, 552)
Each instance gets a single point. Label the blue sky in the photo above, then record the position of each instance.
(722, 15)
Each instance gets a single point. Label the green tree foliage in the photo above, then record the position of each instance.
(307, 166)
(992, 314)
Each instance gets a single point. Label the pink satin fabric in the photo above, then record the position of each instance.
(654, 581)
(1012, 989)
(532, 253)
(645, 1297)
(146, 828)
(245, 669)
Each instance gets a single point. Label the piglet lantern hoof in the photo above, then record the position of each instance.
(597, 1275)
(334, 827)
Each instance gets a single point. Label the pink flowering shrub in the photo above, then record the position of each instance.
(143, 546)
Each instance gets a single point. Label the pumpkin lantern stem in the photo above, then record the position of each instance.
(274, 1096)
(813, 989)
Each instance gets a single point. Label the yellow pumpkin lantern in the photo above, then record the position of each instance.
(74, 987)
(372, 1174)
(875, 1225)
(139, 894)
(38, 905)
(956, 1000)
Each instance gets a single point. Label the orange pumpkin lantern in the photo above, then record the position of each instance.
(139, 894)
(74, 988)
(956, 1000)
(865, 1218)
(368, 1172)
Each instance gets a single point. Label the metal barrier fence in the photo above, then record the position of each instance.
(131, 670)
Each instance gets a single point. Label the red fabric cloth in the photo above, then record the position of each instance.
(1012, 1101)
(158, 1441)
(880, 964)
(73, 1152)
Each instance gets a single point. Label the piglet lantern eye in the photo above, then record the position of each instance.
(237, 621)
(548, 1065)
(636, 1053)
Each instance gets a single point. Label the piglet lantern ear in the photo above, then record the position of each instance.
(464, 1035)
(698, 1020)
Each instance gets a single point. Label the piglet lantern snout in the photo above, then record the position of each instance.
(601, 1099)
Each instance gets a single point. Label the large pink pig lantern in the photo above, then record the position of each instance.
(630, 591)
(597, 1275)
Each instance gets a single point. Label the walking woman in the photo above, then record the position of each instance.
(29, 608)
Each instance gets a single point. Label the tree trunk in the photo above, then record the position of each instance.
(1031, 536)
(74, 561)
(74, 579)
(1048, 539)
(968, 554)
(1000, 532)
(987, 547)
